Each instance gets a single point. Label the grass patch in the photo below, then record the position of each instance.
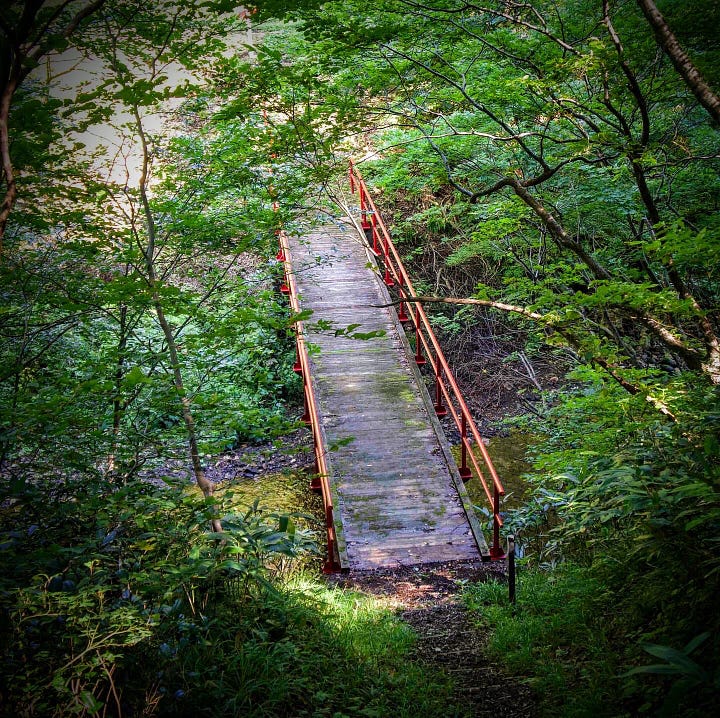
(355, 656)
(555, 638)
(124, 603)
(305, 650)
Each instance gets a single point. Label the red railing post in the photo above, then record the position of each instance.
(306, 418)
(440, 409)
(331, 565)
(374, 235)
(495, 550)
(386, 257)
(280, 256)
(465, 472)
(419, 358)
(402, 314)
(364, 223)
(285, 286)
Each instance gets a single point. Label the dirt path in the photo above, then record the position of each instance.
(427, 598)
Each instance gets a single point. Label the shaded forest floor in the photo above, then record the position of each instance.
(427, 598)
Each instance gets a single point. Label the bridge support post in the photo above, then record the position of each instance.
(496, 551)
(440, 409)
(331, 564)
(306, 417)
(374, 236)
(465, 472)
(389, 282)
(419, 358)
(402, 312)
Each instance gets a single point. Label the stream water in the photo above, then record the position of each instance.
(508, 456)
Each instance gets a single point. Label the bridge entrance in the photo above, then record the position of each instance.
(393, 494)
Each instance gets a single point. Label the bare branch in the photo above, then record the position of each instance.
(498, 13)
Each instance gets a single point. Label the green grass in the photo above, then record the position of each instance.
(555, 638)
(309, 650)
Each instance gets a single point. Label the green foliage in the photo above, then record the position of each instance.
(61, 377)
(634, 499)
(459, 107)
(556, 636)
(677, 663)
(124, 596)
(104, 589)
(565, 634)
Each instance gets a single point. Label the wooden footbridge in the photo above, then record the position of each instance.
(392, 491)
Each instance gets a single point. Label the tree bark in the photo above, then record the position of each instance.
(679, 58)
(8, 173)
(205, 485)
(557, 231)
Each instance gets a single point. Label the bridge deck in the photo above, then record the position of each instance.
(398, 496)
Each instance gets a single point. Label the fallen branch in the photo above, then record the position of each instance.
(550, 322)
(480, 302)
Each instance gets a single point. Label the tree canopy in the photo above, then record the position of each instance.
(550, 170)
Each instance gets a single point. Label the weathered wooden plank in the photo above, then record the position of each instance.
(396, 496)
(371, 557)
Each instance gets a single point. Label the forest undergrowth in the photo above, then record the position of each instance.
(550, 174)
(130, 606)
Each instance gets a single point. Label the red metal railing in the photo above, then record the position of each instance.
(310, 416)
(320, 481)
(447, 395)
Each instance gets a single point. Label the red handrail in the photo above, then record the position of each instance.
(311, 417)
(427, 345)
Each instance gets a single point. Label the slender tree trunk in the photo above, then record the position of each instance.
(118, 404)
(206, 486)
(679, 58)
(557, 231)
(8, 174)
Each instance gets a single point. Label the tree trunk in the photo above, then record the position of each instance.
(679, 58)
(558, 232)
(118, 405)
(8, 174)
(206, 486)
